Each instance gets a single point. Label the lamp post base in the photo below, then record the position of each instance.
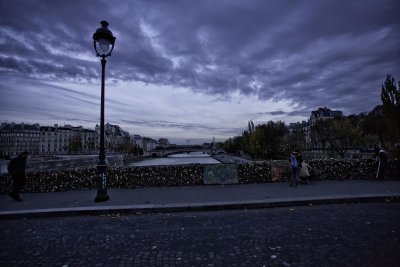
(101, 196)
(101, 183)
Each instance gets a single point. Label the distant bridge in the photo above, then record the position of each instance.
(181, 149)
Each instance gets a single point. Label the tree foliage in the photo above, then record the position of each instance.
(232, 145)
(390, 96)
(261, 141)
(126, 147)
(320, 132)
(373, 124)
(344, 135)
(295, 140)
(75, 144)
(337, 135)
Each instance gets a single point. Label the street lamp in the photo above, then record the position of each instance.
(103, 41)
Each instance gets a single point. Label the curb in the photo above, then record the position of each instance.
(214, 206)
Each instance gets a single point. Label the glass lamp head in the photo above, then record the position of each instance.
(103, 40)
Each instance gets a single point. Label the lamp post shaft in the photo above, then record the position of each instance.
(102, 154)
(102, 164)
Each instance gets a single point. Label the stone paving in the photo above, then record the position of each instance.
(326, 235)
(187, 196)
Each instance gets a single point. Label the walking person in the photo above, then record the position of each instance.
(396, 163)
(295, 164)
(376, 162)
(382, 165)
(16, 168)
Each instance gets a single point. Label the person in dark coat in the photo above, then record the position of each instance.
(16, 168)
(376, 163)
(397, 161)
(382, 165)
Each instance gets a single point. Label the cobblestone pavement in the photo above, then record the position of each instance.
(329, 235)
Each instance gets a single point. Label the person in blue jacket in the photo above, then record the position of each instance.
(295, 164)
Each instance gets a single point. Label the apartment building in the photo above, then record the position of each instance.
(67, 139)
(138, 141)
(323, 114)
(17, 138)
(114, 136)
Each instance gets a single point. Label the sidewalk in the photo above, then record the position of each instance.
(209, 197)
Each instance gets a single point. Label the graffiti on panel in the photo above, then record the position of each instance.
(220, 174)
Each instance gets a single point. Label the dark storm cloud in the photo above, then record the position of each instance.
(280, 113)
(316, 53)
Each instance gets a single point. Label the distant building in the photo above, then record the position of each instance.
(302, 130)
(149, 144)
(163, 142)
(138, 141)
(17, 138)
(297, 126)
(207, 145)
(324, 113)
(114, 136)
(67, 139)
(46, 140)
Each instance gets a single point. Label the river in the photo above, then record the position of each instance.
(178, 159)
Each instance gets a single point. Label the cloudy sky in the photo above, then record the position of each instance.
(194, 69)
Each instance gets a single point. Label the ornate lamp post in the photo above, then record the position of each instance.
(103, 41)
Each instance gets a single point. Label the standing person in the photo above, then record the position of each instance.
(376, 162)
(295, 163)
(397, 161)
(305, 172)
(382, 165)
(16, 168)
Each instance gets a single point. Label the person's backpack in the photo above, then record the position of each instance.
(383, 157)
(299, 159)
(293, 161)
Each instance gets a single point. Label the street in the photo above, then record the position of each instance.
(326, 235)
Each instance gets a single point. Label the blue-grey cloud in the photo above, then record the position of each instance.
(284, 113)
(171, 124)
(315, 53)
